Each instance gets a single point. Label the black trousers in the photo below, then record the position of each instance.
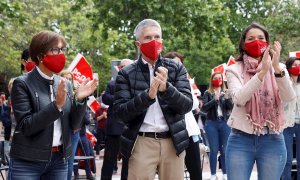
(112, 146)
(193, 161)
(100, 140)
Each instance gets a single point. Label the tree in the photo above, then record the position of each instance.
(197, 29)
(281, 18)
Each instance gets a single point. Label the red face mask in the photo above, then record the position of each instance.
(29, 66)
(55, 63)
(151, 49)
(295, 71)
(256, 48)
(217, 82)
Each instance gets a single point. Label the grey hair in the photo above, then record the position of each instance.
(125, 62)
(145, 23)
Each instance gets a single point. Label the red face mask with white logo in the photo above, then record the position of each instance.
(29, 66)
(55, 63)
(256, 48)
(217, 82)
(151, 49)
(295, 71)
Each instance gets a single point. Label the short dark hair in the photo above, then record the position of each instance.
(243, 38)
(42, 42)
(25, 55)
(290, 62)
(173, 54)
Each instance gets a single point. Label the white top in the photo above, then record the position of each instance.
(57, 133)
(154, 120)
(190, 121)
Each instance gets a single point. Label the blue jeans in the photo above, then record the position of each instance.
(56, 169)
(74, 140)
(217, 132)
(243, 150)
(288, 137)
(88, 152)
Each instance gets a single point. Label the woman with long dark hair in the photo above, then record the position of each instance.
(258, 85)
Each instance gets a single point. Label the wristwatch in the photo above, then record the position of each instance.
(281, 74)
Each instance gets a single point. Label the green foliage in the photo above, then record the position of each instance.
(197, 29)
(206, 32)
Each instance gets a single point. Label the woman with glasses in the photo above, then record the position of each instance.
(46, 112)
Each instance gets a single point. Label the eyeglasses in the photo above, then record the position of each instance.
(58, 50)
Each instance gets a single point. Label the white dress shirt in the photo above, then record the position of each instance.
(154, 120)
(57, 133)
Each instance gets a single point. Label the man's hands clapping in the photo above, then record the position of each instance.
(159, 82)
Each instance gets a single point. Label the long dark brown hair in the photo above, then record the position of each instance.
(243, 38)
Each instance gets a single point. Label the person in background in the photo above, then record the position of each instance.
(258, 85)
(75, 133)
(26, 63)
(192, 157)
(292, 112)
(46, 111)
(114, 129)
(101, 118)
(5, 118)
(217, 105)
(12, 117)
(151, 97)
(86, 148)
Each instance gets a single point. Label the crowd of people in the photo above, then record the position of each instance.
(150, 115)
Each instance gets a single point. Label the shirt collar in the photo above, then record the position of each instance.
(44, 75)
(149, 65)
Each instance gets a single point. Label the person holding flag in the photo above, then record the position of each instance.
(46, 112)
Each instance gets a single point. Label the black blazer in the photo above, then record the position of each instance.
(35, 115)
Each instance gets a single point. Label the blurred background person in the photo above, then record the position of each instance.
(5, 118)
(192, 157)
(292, 112)
(217, 105)
(26, 63)
(86, 147)
(101, 118)
(75, 133)
(114, 129)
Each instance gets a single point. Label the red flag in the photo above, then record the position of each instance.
(93, 104)
(230, 61)
(220, 69)
(80, 69)
(295, 54)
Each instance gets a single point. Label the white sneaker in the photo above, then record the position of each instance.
(224, 176)
(213, 177)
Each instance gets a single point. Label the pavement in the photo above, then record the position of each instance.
(117, 176)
